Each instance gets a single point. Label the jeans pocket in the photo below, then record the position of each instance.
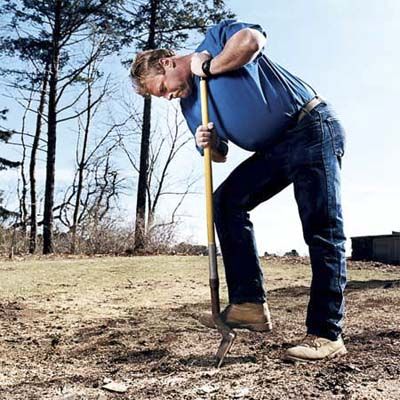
(337, 136)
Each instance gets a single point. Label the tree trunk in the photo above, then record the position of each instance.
(52, 134)
(32, 164)
(81, 167)
(140, 222)
(140, 226)
(24, 190)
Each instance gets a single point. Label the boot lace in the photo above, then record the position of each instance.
(311, 341)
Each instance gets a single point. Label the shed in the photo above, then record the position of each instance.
(382, 248)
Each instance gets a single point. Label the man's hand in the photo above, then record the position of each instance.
(197, 62)
(205, 136)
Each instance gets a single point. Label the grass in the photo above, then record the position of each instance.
(91, 285)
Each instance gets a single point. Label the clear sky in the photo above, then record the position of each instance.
(348, 51)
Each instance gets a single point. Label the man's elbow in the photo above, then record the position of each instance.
(253, 40)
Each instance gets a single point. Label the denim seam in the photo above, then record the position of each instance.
(331, 201)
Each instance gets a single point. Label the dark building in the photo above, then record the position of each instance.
(382, 248)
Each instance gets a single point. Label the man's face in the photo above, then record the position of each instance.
(175, 83)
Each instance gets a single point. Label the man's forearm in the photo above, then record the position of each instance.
(216, 156)
(242, 48)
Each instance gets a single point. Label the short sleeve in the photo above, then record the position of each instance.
(217, 36)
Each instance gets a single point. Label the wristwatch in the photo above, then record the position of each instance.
(206, 68)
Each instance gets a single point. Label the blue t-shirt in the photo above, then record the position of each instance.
(251, 106)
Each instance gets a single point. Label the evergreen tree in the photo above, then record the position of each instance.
(50, 35)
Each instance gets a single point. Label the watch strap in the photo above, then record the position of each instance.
(206, 68)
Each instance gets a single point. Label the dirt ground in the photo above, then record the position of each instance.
(69, 326)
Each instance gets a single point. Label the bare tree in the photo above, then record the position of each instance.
(92, 75)
(24, 190)
(166, 146)
(96, 181)
(156, 24)
(163, 152)
(32, 162)
(99, 191)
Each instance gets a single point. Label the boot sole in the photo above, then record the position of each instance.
(264, 327)
(340, 352)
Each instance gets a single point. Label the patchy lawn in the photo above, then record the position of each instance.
(67, 326)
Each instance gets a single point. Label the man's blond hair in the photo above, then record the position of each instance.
(147, 64)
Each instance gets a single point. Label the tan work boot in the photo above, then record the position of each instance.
(314, 348)
(252, 316)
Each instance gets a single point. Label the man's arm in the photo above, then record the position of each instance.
(242, 48)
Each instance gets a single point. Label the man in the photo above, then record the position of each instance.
(296, 138)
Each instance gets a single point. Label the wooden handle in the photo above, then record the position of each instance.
(207, 165)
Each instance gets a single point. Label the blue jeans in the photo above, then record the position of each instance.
(309, 156)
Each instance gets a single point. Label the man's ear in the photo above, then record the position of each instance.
(167, 62)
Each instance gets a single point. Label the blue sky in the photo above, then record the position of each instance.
(348, 51)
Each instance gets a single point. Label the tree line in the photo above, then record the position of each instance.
(54, 68)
